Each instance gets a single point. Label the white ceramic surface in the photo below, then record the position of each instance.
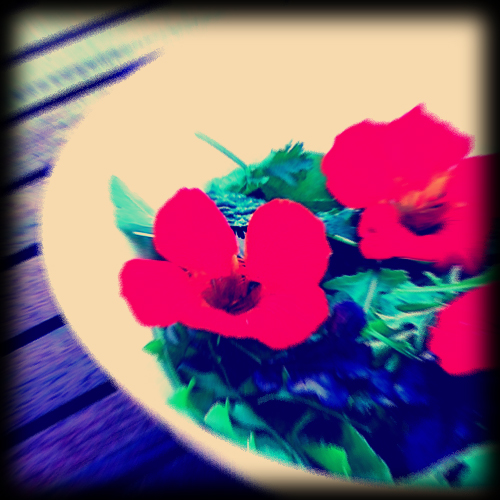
(253, 85)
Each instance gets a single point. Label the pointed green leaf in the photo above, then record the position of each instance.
(218, 419)
(332, 458)
(181, 400)
(209, 381)
(269, 447)
(364, 462)
(244, 415)
(154, 347)
(131, 212)
(251, 442)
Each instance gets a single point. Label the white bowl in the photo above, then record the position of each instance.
(252, 84)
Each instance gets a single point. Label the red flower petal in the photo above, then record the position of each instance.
(462, 338)
(157, 292)
(280, 320)
(466, 226)
(420, 145)
(370, 161)
(285, 244)
(190, 231)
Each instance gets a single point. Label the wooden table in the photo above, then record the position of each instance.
(69, 427)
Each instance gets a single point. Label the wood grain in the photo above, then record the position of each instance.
(27, 297)
(46, 374)
(45, 459)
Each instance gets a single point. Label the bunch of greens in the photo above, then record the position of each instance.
(362, 398)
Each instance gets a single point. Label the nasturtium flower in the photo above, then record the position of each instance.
(462, 338)
(272, 295)
(423, 198)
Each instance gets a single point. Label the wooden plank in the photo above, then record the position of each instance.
(23, 208)
(34, 144)
(46, 374)
(27, 298)
(50, 456)
(38, 78)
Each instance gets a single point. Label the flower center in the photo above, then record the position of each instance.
(233, 294)
(422, 212)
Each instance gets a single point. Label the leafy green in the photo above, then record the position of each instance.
(208, 380)
(154, 347)
(487, 277)
(245, 416)
(364, 462)
(134, 218)
(288, 173)
(236, 208)
(365, 286)
(332, 458)
(131, 212)
(269, 447)
(296, 175)
(218, 420)
(476, 467)
(338, 223)
(181, 400)
(388, 298)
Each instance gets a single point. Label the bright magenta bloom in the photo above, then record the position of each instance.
(423, 199)
(272, 296)
(462, 338)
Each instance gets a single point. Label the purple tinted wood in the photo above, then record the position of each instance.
(27, 297)
(46, 374)
(23, 208)
(48, 458)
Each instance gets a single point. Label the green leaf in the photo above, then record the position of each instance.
(233, 182)
(248, 387)
(270, 447)
(337, 224)
(245, 416)
(251, 442)
(209, 381)
(392, 277)
(487, 277)
(131, 212)
(134, 218)
(417, 306)
(236, 208)
(378, 326)
(357, 286)
(218, 419)
(402, 346)
(477, 469)
(154, 347)
(480, 468)
(332, 458)
(181, 400)
(364, 462)
(296, 175)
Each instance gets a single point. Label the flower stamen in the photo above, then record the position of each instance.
(422, 212)
(233, 294)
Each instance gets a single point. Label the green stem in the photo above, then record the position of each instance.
(342, 239)
(226, 152)
(248, 353)
(214, 354)
(222, 149)
(485, 278)
(369, 295)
